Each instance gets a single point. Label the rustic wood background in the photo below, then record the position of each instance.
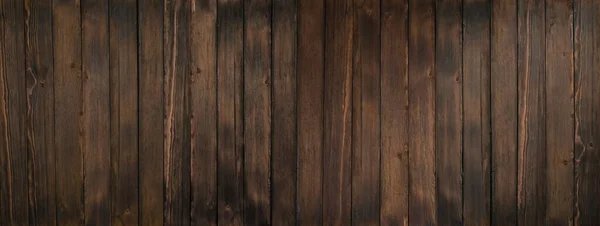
(307, 112)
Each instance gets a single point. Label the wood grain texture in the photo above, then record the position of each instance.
(284, 149)
(421, 77)
(449, 109)
(230, 103)
(257, 112)
(310, 93)
(40, 112)
(151, 112)
(394, 112)
(337, 156)
(532, 181)
(504, 111)
(68, 105)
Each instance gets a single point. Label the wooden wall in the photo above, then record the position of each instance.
(299, 112)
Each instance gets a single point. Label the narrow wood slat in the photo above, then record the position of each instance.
(284, 149)
(230, 112)
(68, 99)
(504, 112)
(40, 112)
(394, 112)
(422, 197)
(337, 184)
(151, 112)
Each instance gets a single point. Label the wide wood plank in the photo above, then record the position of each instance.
(68, 99)
(151, 112)
(531, 188)
(337, 184)
(257, 112)
(284, 150)
(421, 47)
(448, 115)
(40, 112)
(504, 112)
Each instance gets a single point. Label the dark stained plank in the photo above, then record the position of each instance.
(559, 111)
(476, 112)
(68, 99)
(177, 123)
(13, 111)
(151, 112)
(504, 113)
(532, 125)
(337, 196)
(230, 87)
(366, 127)
(394, 112)
(309, 80)
(96, 123)
(587, 138)
(40, 112)
(448, 115)
(421, 51)
(124, 111)
(284, 150)
(257, 112)
(203, 110)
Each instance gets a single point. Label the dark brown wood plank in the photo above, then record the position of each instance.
(476, 112)
(14, 197)
(504, 112)
(40, 112)
(587, 138)
(68, 99)
(230, 112)
(203, 110)
(559, 111)
(421, 50)
(394, 112)
(337, 196)
(284, 150)
(448, 115)
(124, 112)
(366, 126)
(96, 115)
(310, 79)
(532, 143)
(177, 123)
(151, 112)
(257, 111)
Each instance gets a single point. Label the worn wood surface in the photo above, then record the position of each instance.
(299, 112)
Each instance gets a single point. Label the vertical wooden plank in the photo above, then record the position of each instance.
(68, 132)
(40, 112)
(310, 79)
(587, 116)
(504, 112)
(203, 97)
(151, 112)
(124, 111)
(177, 139)
(559, 111)
(337, 155)
(257, 111)
(13, 111)
(230, 88)
(284, 150)
(449, 106)
(421, 50)
(394, 112)
(366, 111)
(532, 156)
(476, 107)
